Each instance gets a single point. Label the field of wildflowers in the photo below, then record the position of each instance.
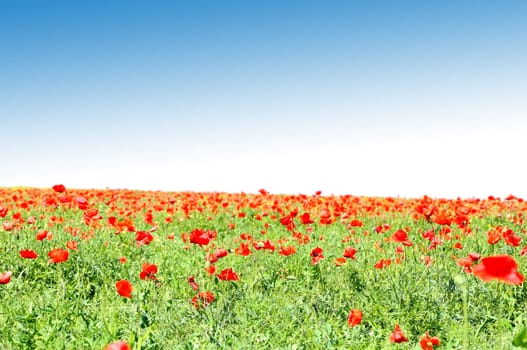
(123, 269)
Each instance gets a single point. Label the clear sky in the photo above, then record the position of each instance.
(384, 98)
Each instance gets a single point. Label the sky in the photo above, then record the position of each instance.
(372, 98)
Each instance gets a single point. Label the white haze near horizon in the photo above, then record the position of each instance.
(470, 162)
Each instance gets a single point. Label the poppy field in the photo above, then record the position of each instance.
(123, 269)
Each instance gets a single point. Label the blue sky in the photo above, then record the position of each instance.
(379, 98)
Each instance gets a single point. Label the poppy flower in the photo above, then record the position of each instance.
(211, 269)
(58, 255)
(339, 261)
(397, 335)
(143, 238)
(192, 282)
(72, 245)
(200, 237)
(428, 343)
(8, 226)
(202, 299)
(355, 317)
(499, 267)
(350, 252)
(316, 255)
(228, 275)
(118, 345)
(149, 272)
(243, 250)
(211, 258)
(401, 236)
(5, 277)
(306, 219)
(287, 250)
(221, 253)
(383, 263)
(43, 234)
(59, 188)
(124, 288)
(28, 254)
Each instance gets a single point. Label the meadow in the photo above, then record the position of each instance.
(123, 269)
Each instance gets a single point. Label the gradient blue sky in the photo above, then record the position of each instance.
(379, 98)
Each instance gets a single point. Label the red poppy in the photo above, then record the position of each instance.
(499, 267)
(72, 245)
(58, 255)
(397, 335)
(243, 250)
(149, 272)
(511, 239)
(286, 251)
(143, 238)
(5, 277)
(266, 245)
(124, 288)
(383, 263)
(59, 188)
(43, 234)
(306, 219)
(355, 317)
(8, 226)
(428, 343)
(356, 223)
(221, 253)
(401, 236)
(28, 254)
(211, 258)
(118, 345)
(350, 252)
(339, 261)
(316, 255)
(474, 256)
(201, 237)
(211, 269)
(192, 282)
(202, 299)
(228, 275)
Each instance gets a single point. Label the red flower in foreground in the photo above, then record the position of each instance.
(340, 261)
(58, 255)
(28, 254)
(124, 288)
(498, 267)
(149, 272)
(5, 277)
(118, 345)
(383, 263)
(316, 255)
(350, 252)
(192, 282)
(202, 299)
(287, 250)
(201, 237)
(355, 317)
(397, 335)
(143, 238)
(428, 343)
(43, 234)
(72, 245)
(228, 275)
(59, 188)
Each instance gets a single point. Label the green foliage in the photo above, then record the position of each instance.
(279, 302)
